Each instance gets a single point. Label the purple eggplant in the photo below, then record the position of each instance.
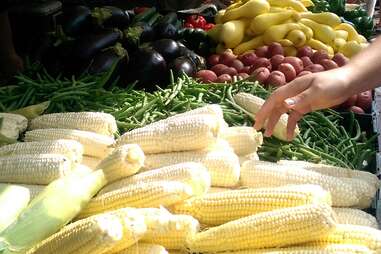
(105, 59)
(182, 65)
(76, 20)
(168, 48)
(111, 16)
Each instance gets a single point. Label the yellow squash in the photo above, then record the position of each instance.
(352, 33)
(294, 4)
(278, 32)
(249, 45)
(215, 33)
(307, 31)
(338, 43)
(351, 48)
(307, 3)
(341, 34)
(290, 51)
(297, 37)
(326, 18)
(323, 33)
(218, 17)
(285, 43)
(264, 21)
(232, 33)
(250, 9)
(318, 45)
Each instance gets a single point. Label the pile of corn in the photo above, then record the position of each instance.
(186, 184)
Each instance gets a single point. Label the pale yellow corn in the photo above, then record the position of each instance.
(218, 208)
(365, 191)
(34, 169)
(34, 189)
(220, 145)
(355, 217)
(223, 166)
(180, 134)
(323, 249)
(243, 140)
(335, 171)
(72, 149)
(194, 174)
(279, 228)
(353, 234)
(91, 162)
(139, 195)
(144, 248)
(218, 189)
(124, 161)
(252, 104)
(252, 156)
(258, 174)
(95, 235)
(94, 144)
(101, 123)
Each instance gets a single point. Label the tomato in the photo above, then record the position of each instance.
(197, 21)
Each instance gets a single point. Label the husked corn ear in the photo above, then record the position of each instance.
(218, 190)
(218, 208)
(335, 171)
(96, 234)
(194, 174)
(101, 123)
(353, 234)
(181, 134)
(243, 140)
(252, 156)
(355, 217)
(91, 162)
(279, 228)
(252, 104)
(124, 161)
(139, 195)
(365, 191)
(223, 166)
(144, 248)
(94, 144)
(72, 149)
(258, 174)
(323, 249)
(34, 169)
(219, 145)
(33, 189)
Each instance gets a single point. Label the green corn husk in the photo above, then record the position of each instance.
(13, 200)
(53, 208)
(32, 111)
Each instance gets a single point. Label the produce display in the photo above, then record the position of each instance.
(133, 134)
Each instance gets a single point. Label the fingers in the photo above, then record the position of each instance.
(293, 119)
(273, 120)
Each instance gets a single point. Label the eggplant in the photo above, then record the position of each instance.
(139, 33)
(105, 59)
(168, 48)
(183, 65)
(166, 31)
(111, 16)
(183, 50)
(87, 46)
(75, 20)
(198, 61)
(148, 68)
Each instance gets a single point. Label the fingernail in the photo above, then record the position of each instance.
(290, 102)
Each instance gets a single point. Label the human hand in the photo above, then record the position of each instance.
(303, 95)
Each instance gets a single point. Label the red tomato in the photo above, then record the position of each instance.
(197, 21)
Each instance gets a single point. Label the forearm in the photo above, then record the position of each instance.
(364, 70)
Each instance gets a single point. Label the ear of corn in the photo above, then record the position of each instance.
(365, 191)
(218, 208)
(54, 207)
(33, 189)
(252, 104)
(13, 200)
(223, 166)
(91, 162)
(243, 140)
(94, 144)
(284, 227)
(181, 134)
(34, 169)
(355, 217)
(144, 248)
(258, 174)
(124, 161)
(353, 234)
(139, 195)
(73, 150)
(252, 157)
(11, 126)
(194, 174)
(101, 123)
(218, 190)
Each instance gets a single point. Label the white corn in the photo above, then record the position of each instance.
(243, 140)
(34, 189)
(90, 162)
(101, 123)
(252, 156)
(365, 191)
(355, 217)
(94, 144)
(144, 248)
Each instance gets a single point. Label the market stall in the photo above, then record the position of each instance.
(131, 131)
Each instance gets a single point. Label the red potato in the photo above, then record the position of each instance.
(246, 69)
(295, 62)
(238, 65)
(276, 78)
(219, 69)
(328, 64)
(231, 71)
(305, 51)
(306, 61)
(224, 78)
(350, 102)
(275, 48)
(261, 74)
(319, 55)
(227, 58)
(276, 61)
(262, 51)
(356, 110)
(340, 59)
(314, 68)
(248, 59)
(364, 100)
(206, 76)
(303, 73)
(214, 60)
(262, 62)
(288, 71)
